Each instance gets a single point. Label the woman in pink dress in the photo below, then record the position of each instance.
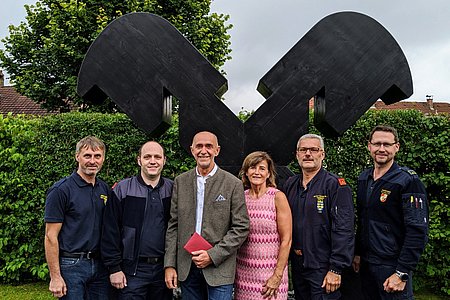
(261, 271)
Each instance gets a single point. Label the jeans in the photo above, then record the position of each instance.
(308, 282)
(196, 288)
(85, 279)
(148, 283)
(373, 277)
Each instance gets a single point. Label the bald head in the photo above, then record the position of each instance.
(205, 148)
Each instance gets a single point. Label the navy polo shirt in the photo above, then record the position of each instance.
(78, 205)
(153, 234)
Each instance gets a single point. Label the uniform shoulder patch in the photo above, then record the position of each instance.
(412, 172)
(408, 170)
(342, 181)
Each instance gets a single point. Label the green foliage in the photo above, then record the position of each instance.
(43, 54)
(34, 153)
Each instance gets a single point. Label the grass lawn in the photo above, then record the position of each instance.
(30, 291)
(39, 291)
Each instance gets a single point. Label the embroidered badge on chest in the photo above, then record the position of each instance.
(384, 195)
(320, 199)
(104, 198)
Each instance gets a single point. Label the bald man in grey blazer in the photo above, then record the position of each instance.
(209, 201)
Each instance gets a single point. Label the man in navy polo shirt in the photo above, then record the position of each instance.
(323, 224)
(73, 219)
(135, 226)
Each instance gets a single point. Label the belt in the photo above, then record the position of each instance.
(151, 260)
(298, 252)
(80, 255)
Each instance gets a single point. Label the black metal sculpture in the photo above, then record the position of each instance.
(347, 60)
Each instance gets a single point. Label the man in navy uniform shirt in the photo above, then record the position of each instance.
(135, 226)
(73, 219)
(323, 224)
(392, 231)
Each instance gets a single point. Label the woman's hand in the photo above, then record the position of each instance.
(270, 287)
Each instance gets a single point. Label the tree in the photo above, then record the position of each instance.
(43, 54)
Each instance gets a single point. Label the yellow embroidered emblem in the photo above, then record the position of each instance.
(320, 199)
(104, 198)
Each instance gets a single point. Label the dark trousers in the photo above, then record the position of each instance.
(85, 279)
(372, 278)
(195, 287)
(148, 283)
(308, 282)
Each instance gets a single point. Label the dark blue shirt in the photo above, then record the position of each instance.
(323, 220)
(392, 218)
(153, 236)
(78, 205)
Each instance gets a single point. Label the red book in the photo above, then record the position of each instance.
(197, 242)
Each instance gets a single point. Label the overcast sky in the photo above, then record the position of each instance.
(264, 30)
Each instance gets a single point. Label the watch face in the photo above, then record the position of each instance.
(402, 276)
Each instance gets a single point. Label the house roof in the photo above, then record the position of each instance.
(428, 108)
(12, 101)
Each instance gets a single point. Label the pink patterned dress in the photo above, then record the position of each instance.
(257, 258)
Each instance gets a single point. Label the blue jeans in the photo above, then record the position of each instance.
(196, 288)
(372, 279)
(85, 279)
(148, 283)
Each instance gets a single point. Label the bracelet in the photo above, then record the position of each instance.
(335, 272)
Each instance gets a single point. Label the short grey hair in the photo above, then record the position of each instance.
(312, 136)
(90, 142)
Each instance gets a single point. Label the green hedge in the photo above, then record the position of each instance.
(35, 152)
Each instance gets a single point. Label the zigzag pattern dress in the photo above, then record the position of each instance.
(257, 258)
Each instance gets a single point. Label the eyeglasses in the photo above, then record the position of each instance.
(312, 150)
(385, 145)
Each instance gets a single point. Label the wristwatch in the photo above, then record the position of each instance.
(402, 276)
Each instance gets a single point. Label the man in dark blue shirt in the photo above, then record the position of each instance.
(73, 219)
(135, 226)
(392, 229)
(323, 224)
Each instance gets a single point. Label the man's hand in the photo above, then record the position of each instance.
(201, 259)
(331, 282)
(394, 284)
(118, 280)
(171, 277)
(356, 263)
(57, 286)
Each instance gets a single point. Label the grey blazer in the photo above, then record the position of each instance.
(225, 225)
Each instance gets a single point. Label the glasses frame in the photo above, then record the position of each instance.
(312, 150)
(385, 145)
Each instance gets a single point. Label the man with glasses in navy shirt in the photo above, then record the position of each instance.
(392, 229)
(73, 220)
(323, 224)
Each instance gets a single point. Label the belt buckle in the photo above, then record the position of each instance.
(88, 255)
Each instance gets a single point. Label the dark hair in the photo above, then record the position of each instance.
(384, 128)
(252, 160)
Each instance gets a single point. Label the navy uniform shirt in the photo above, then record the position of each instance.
(79, 206)
(392, 218)
(323, 220)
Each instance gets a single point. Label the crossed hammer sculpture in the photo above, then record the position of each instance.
(347, 61)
